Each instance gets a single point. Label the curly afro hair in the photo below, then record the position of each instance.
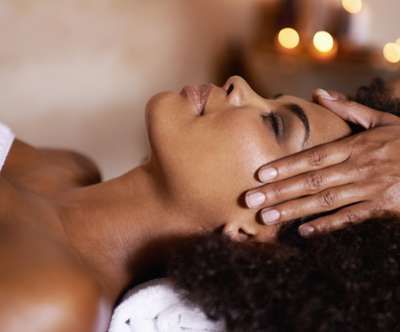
(347, 281)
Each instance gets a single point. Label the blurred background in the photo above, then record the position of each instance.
(77, 73)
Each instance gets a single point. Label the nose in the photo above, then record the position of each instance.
(240, 92)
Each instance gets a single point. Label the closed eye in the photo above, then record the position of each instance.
(275, 121)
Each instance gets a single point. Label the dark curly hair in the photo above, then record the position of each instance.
(347, 281)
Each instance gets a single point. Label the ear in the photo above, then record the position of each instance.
(251, 231)
(239, 231)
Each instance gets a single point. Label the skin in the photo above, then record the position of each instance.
(231, 140)
(40, 275)
(109, 234)
(358, 175)
(45, 171)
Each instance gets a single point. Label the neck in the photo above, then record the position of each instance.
(123, 227)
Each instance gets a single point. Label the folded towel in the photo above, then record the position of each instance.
(157, 307)
(6, 141)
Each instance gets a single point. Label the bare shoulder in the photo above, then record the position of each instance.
(44, 287)
(45, 171)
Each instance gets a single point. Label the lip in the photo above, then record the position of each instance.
(198, 95)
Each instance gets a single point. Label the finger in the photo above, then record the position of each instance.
(312, 159)
(267, 234)
(345, 217)
(324, 201)
(354, 112)
(302, 185)
(333, 95)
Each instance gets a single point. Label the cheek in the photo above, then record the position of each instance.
(248, 142)
(328, 129)
(208, 165)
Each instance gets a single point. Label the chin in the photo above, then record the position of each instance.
(158, 100)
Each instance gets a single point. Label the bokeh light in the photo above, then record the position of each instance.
(391, 52)
(352, 6)
(323, 41)
(398, 41)
(288, 38)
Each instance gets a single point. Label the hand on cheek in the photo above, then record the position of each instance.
(358, 175)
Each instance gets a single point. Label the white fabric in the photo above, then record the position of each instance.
(6, 140)
(157, 307)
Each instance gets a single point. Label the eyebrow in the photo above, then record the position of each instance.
(298, 111)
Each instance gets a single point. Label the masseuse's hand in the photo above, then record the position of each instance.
(358, 176)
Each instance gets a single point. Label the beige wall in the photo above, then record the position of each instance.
(385, 21)
(77, 74)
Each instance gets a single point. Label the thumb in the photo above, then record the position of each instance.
(354, 112)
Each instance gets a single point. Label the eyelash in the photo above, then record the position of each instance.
(275, 121)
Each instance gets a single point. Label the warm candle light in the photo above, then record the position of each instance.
(352, 6)
(288, 38)
(323, 42)
(391, 52)
(398, 41)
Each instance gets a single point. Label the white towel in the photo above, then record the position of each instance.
(157, 307)
(6, 141)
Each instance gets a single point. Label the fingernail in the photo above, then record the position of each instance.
(270, 216)
(254, 199)
(326, 95)
(267, 174)
(306, 230)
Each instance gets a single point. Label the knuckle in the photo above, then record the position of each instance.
(289, 168)
(369, 143)
(364, 170)
(366, 164)
(350, 218)
(390, 182)
(274, 193)
(324, 226)
(314, 182)
(377, 210)
(316, 158)
(379, 148)
(361, 143)
(384, 151)
(327, 199)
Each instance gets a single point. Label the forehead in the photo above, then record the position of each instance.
(325, 126)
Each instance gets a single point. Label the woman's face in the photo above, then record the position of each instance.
(208, 142)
